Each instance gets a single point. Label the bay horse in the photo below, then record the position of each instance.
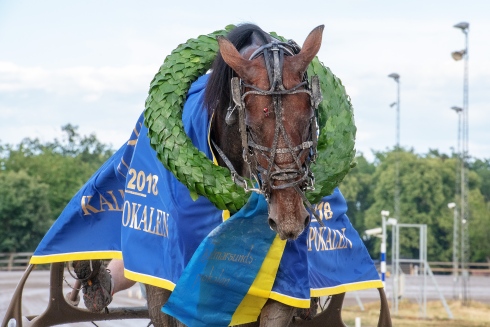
(277, 127)
(264, 130)
(271, 107)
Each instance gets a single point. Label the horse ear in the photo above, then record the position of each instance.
(310, 48)
(233, 58)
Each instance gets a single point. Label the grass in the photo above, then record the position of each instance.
(409, 315)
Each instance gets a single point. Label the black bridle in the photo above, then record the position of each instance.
(262, 179)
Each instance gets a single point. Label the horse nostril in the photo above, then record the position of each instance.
(307, 221)
(272, 224)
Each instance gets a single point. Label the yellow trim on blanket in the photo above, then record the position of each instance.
(289, 300)
(147, 279)
(251, 305)
(37, 260)
(346, 288)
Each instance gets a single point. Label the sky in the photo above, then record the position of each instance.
(90, 63)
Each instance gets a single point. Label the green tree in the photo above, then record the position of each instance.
(479, 214)
(62, 165)
(24, 211)
(482, 169)
(357, 188)
(479, 227)
(426, 184)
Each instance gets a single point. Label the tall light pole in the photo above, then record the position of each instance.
(453, 206)
(459, 111)
(465, 244)
(396, 77)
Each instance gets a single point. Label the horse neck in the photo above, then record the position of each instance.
(227, 138)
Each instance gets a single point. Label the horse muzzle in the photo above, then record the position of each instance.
(287, 216)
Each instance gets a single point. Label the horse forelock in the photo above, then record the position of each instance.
(243, 37)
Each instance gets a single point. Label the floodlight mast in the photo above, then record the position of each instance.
(452, 206)
(396, 195)
(465, 214)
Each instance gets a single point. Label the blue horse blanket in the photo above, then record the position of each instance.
(134, 209)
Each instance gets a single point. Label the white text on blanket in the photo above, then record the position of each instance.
(326, 238)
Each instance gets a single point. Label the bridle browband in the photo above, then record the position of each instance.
(262, 179)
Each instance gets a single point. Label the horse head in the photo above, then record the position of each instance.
(277, 123)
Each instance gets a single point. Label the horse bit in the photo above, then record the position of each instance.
(262, 179)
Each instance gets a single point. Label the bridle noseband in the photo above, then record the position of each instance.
(262, 179)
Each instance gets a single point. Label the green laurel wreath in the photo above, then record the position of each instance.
(163, 117)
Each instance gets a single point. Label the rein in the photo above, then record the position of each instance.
(262, 179)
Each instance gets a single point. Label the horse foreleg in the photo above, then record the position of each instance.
(276, 314)
(156, 298)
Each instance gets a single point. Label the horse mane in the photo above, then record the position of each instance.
(217, 94)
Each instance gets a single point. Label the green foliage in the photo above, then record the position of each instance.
(479, 228)
(24, 211)
(62, 165)
(357, 188)
(482, 169)
(427, 185)
(422, 200)
(56, 170)
(337, 133)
